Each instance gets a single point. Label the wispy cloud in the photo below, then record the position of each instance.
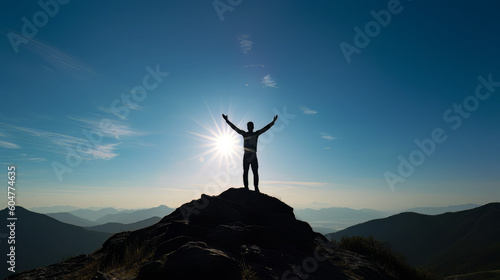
(245, 44)
(9, 145)
(58, 59)
(327, 136)
(56, 138)
(105, 152)
(268, 81)
(63, 142)
(115, 129)
(307, 111)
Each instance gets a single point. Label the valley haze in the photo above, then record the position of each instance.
(324, 220)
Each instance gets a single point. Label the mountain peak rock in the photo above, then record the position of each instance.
(238, 234)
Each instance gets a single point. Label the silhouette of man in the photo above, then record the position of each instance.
(250, 146)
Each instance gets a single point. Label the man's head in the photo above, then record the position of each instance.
(250, 126)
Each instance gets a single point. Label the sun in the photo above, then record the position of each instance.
(219, 142)
(226, 144)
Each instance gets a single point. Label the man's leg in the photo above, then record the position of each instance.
(255, 171)
(246, 165)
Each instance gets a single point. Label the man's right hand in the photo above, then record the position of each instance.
(224, 117)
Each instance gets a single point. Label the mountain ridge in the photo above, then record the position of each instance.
(449, 244)
(442, 210)
(42, 240)
(119, 227)
(135, 216)
(71, 219)
(93, 215)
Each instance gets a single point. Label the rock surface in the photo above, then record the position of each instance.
(239, 234)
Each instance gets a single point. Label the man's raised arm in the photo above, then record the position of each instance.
(239, 131)
(267, 127)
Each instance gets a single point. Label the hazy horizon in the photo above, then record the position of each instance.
(313, 206)
(384, 105)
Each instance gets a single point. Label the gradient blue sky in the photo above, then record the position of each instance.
(342, 125)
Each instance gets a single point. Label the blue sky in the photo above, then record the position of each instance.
(119, 103)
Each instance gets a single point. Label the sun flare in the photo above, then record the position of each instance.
(226, 144)
(220, 143)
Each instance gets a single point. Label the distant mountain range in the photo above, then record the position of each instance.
(42, 240)
(90, 217)
(135, 216)
(53, 209)
(93, 215)
(119, 227)
(448, 244)
(325, 220)
(442, 210)
(333, 219)
(71, 219)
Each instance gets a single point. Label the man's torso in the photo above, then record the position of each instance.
(250, 142)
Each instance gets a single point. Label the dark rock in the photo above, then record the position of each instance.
(103, 276)
(195, 260)
(173, 244)
(151, 270)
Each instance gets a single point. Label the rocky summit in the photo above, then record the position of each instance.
(239, 234)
